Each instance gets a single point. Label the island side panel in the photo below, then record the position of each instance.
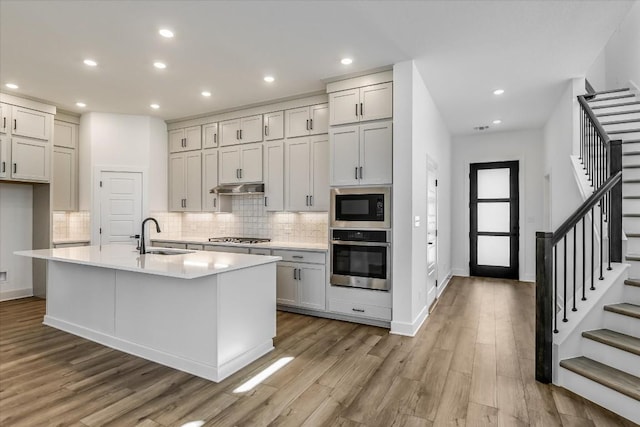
(246, 316)
(80, 299)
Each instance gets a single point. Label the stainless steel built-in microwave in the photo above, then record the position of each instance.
(363, 207)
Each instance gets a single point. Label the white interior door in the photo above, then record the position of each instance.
(120, 206)
(432, 234)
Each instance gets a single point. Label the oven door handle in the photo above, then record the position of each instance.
(350, 243)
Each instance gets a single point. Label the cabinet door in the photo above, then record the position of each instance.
(210, 135)
(209, 180)
(376, 151)
(193, 136)
(30, 123)
(297, 122)
(311, 286)
(286, 284)
(274, 176)
(176, 140)
(5, 118)
(344, 155)
(176, 182)
(193, 181)
(319, 174)
(344, 107)
(5, 157)
(251, 163)
(274, 126)
(29, 159)
(64, 179)
(229, 132)
(228, 165)
(65, 134)
(319, 119)
(251, 129)
(377, 102)
(296, 174)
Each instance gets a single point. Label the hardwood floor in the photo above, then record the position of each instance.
(470, 364)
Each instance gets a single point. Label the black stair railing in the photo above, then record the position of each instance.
(569, 259)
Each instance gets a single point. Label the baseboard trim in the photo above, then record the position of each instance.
(410, 329)
(445, 282)
(16, 294)
(336, 316)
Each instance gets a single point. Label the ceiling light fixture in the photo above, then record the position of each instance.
(346, 61)
(160, 65)
(269, 79)
(90, 62)
(498, 91)
(12, 86)
(154, 106)
(81, 104)
(497, 122)
(166, 33)
(206, 93)
(483, 127)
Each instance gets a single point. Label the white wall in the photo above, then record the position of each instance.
(16, 215)
(524, 146)
(597, 73)
(623, 52)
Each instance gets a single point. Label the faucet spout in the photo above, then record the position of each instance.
(143, 248)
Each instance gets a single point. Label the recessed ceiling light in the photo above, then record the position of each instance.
(90, 62)
(12, 86)
(346, 61)
(498, 91)
(81, 104)
(269, 79)
(483, 127)
(206, 93)
(160, 65)
(497, 122)
(166, 33)
(154, 106)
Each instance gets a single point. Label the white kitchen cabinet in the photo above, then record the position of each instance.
(187, 139)
(301, 284)
(64, 182)
(65, 134)
(226, 248)
(362, 154)
(5, 157)
(210, 135)
(5, 118)
(286, 284)
(30, 159)
(30, 123)
(305, 121)
(212, 202)
(373, 102)
(274, 126)
(274, 176)
(185, 182)
(244, 130)
(240, 164)
(307, 174)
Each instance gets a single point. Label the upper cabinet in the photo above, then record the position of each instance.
(306, 177)
(5, 118)
(274, 176)
(372, 102)
(65, 165)
(274, 126)
(185, 182)
(305, 121)
(210, 135)
(241, 131)
(212, 202)
(240, 164)
(30, 123)
(5, 157)
(65, 134)
(187, 139)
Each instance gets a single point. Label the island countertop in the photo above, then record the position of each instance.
(189, 265)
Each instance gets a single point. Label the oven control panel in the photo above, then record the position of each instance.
(360, 235)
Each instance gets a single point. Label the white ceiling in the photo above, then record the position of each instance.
(463, 49)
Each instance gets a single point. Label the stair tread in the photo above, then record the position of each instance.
(618, 113)
(621, 104)
(630, 166)
(602, 92)
(616, 132)
(615, 339)
(620, 122)
(631, 153)
(631, 215)
(630, 181)
(631, 197)
(632, 282)
(615, 379)
(632, 257)
(634, 235)
(610, 98)
(625, 309)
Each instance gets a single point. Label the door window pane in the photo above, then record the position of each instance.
(493, 183)
(493, 217)
(493, 250)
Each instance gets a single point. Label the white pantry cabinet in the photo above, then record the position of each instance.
(301, 284)
(65, 134)
(210, 135)
(362, 154)
(372, 102)
(5, 118)
(274, 126)
(64, 182)
(185, 182)
(240, 164)
(244, 130)
(307, 174)
(187, 139)
(305, 121)
(274, 176)
(212, 202)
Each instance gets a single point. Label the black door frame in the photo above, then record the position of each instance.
(513, 271)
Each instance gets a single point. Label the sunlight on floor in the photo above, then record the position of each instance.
(198, 423)
(266, 373)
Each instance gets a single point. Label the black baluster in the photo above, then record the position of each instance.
(601, 238)
(609, 243)
(582, 137)
(564, 302)
(584, 256)
(555, 289)
(575, 237)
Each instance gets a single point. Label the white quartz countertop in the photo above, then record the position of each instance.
(299, 246)
(124, 257)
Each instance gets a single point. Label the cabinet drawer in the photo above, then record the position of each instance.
(258, 251)
(301, 256)
(70, 245)
(360, 310)
(234, 249)
(194, 247)
(170, 245)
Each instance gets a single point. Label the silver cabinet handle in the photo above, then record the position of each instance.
(310, 124)
(359, 310)
(361, 110)
(360, 172)
(356, 172)
(310, 200)
(297, 257)
(266, 131)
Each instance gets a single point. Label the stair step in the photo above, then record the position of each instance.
(616, 132)
(603, 92)
(631, 153)
(632, 282)
(617, 113)
(620, 122)
(621, 104)
(618, 380)
(633, 235)
(631, 215)
(611, 98)
(615, 339)
(632, 257)
(625, 309)
(631, 141)
(631, 181)
(630, 166)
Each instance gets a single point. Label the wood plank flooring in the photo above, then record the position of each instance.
(470, 364)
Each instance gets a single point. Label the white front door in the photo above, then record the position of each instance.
(120, 206)
(432, 234)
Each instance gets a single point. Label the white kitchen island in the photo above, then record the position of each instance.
(206, 313)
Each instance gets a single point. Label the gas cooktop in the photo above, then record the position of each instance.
(238, 240)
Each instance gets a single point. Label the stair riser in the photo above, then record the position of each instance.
(631, 173)
(620, 323)
(598, 102)
(631, 189)
(615, 109)
(622, 126)
(629, 147)
(612, 356)
(632, 295)
(633, 245)
(631, 205)
(603, 396)
(631, 225)
(631, 116)
(634, 267)
(631, 160)
(631, 136)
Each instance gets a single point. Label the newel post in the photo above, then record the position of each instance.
(615, 166)
(544, 307)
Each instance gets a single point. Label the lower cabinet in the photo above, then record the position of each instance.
(301, 284)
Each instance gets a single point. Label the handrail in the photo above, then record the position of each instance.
(596, 123)
(586, 207)
(590, 90)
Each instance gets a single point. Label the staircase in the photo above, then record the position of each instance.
(608, 371)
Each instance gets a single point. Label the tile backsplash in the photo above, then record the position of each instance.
(71, 225)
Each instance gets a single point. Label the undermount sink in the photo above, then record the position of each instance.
(167, 252)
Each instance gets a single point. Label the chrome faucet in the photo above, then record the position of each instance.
(143, 249)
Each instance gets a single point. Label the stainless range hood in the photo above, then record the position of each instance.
(237, 189)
